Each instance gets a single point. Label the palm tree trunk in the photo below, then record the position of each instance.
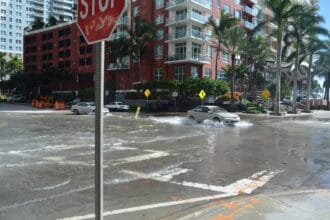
(309, 82)
(232, 84)
(216, 59)
(327, 92)
(295, 86)
(278, 75)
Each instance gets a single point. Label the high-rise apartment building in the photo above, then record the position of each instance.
(13, 20)
(16, 15)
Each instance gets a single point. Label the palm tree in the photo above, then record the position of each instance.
(3, 65)
(225, 21)
(256, 56)
(302, 27)
(52, 21)
(143, 33)
(322, 68)
(37, 24)
(313, 46)
(283, 12)
(234, 42)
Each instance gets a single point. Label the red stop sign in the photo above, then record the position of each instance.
(97, 18)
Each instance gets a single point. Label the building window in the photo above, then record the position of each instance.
(160, 34)
(136, 11)
(208, 73)
(180, 51)
(158, 74)
(194, 72)
(225, 57)
(196, 51)
(179, 73)
(218, 4)
(209, 52)
(159, 4)
(159, 19)
(238, 2)
(221, 75)
(180, 31)
(226, 8)
(159, 52)
(237, 14)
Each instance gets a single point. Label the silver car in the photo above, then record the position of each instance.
(85, 108)
(214, 113)
(117, 106)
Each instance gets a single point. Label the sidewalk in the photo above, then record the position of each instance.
(293, 205)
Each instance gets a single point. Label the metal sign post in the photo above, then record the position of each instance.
(99, 100)
(96, 21)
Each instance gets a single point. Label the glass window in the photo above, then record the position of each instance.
(159, 52)
(179, 72)
(180, 51)
(158, 74)
(194, 71)
(225, 57)
(136, 11)
(160, 34)
(159, 4)
(226, 8)
(208, 73)
(196, 50)
(159, 19)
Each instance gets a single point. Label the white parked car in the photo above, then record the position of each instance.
(117, 106)
(85, 108)
(15, 98)
(214, 113)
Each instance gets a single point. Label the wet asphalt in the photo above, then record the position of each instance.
(154, 167)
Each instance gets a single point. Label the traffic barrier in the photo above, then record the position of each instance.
(59, 105)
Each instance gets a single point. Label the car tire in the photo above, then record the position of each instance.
(191, 118)
(76, 112)
(217, 120)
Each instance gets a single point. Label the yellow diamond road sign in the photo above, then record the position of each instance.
(147, 93)
(202, 94)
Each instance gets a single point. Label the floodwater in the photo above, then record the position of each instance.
(158, 165)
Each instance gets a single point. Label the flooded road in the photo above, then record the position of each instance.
(154, 166)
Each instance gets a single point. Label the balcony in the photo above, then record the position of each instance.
(251, 1)
(190, 16)
(197, 35)
(249, 25)
(249, 11)
(123, 21)
(116, 66)
(188, 58)
(198, 4)
(118, 35)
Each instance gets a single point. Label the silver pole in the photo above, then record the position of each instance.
(99, 99)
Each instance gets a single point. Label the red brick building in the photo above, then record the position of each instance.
(183, 47)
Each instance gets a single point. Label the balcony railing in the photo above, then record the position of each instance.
(191, 15)
(249, 10)
(252, 1)
(203, 3)
(116, 66)
(191, 57)
(190, 33)
(249, 25)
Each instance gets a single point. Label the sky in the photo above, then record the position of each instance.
(325, 12)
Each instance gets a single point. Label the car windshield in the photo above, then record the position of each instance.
(218, 109)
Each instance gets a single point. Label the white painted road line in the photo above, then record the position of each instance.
(152, 154)
(151, 206)
(246, 185)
